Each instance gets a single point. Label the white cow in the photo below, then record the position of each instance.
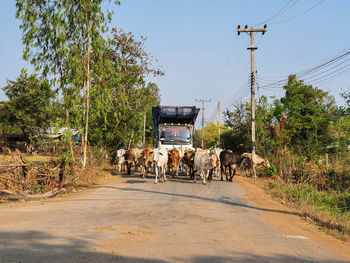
(160, 159)
(119, 157)
(255, 161)
(203, 162)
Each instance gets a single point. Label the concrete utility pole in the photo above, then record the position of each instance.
(202, 101)
(144, 130)
(251, 31)
(219, 120)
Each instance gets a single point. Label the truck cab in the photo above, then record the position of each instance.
(174, 126)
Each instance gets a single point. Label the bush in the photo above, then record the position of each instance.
(271, 171)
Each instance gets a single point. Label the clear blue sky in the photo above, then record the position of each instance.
(197, 45)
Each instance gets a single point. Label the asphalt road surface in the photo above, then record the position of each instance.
(135, 220)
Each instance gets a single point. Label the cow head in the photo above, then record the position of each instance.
(266, 163)
(209, 163)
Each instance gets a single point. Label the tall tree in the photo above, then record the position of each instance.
(59, 38)
(120, 94)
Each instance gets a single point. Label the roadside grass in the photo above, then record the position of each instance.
(7, 159)
(328, 209)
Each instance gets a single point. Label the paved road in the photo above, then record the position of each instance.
(135, 220)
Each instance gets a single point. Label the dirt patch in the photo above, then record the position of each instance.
(188, 217)
(127, 231)
(197, 207)
(123, 207)
(286, 219)
(105, 229)
(127, 236)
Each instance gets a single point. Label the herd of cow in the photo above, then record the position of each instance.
(190, 161)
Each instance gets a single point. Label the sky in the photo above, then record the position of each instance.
(197, 46)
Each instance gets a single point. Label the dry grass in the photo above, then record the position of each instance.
(6, 159)
(39, 174)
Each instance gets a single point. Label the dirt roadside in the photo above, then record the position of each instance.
(288, 223)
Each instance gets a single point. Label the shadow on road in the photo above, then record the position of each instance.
(222, 200)
(36, 246)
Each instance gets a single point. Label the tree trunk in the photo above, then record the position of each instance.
(9, 196)
(131, 137)
(70, 135)
(87, 100)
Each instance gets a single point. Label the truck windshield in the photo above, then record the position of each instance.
(175, 136)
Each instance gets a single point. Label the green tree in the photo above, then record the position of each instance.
(27, 109)
(237, 137)
(59, 38)
(120, 94)
(308, 112)
(210, 135)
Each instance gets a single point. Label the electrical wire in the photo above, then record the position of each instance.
(225, 65)
(326, 71)
(294, 17)
(280, 12)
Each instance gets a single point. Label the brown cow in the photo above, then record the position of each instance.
(173, 162)
(145, 161)
(130, 157)
(188, 160)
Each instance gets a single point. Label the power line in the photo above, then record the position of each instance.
(294, 17)
(321, 70)
(218, 93)
(280, 12)
(226, 63)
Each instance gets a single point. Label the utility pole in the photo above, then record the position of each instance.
(144, 130)
(251, 31)
(203, 102)
(219, 119)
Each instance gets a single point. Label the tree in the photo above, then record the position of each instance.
(210, 136)
(28, 106)
(59, 38)
(237, 137)
(120, 95)
(308, 111)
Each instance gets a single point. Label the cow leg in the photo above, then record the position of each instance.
(156, 179)
(142, 175)
(222, 170)
(203, 175)
(164, 175)
(210, 176)
(231, 177)
(129, 168)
